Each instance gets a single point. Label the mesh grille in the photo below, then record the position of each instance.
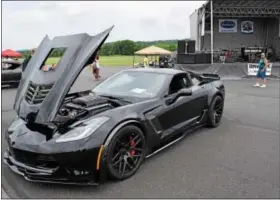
(32, 159)
(36, 93)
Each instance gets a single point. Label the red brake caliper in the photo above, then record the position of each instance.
(132, 152)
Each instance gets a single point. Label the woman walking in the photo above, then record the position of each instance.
(261, 75)
(96, 68)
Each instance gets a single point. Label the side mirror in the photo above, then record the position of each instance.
(180, 93)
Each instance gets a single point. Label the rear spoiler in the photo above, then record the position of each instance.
(205, 77)
(212, 77)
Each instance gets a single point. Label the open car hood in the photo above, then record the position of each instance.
(40, 94)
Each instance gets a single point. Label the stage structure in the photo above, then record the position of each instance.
(241, 29)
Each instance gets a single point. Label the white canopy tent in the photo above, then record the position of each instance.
(151, 51)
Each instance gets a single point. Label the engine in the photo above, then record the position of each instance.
(83, 106)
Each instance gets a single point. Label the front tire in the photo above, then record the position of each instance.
(126, 152)
(215, 112)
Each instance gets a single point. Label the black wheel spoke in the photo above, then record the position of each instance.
(136, 143)
(214, 117)
(219, 107)
(116, 156)
(120, 166)
(136, 149)
(124, 167)
(135, 138)
(118, 161)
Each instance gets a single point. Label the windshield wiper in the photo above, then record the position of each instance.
(115, 98)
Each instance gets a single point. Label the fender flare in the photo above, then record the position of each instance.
(114, 131)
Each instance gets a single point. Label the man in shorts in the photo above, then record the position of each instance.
(261, 75)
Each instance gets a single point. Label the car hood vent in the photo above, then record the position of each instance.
(36, 93)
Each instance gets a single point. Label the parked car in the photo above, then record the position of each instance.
(88, 136)
(11, 71)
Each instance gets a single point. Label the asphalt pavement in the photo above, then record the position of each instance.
(239, 159)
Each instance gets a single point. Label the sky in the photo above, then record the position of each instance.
(25, 23)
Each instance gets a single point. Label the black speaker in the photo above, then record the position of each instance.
(202, 58)
(191, 46)
(181, 47)
(186, 58)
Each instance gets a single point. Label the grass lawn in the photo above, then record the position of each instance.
(109, 61)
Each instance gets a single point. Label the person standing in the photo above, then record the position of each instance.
(261, 75)
(96, 68)
(26, 60)
(146, 61)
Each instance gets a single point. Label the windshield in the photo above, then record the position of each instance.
(132, 83)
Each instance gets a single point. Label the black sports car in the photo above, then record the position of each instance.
(107, 132)
(11, 72)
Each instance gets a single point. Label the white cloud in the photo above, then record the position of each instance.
(24, 24)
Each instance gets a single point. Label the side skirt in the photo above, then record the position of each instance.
(198, 125)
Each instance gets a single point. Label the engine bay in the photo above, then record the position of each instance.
(78, 106)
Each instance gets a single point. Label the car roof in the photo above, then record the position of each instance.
(157, 70)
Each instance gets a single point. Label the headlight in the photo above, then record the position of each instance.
(83, 132)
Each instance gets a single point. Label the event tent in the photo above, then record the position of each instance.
(10, 53)
(152, 50)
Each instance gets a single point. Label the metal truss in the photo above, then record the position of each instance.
(244, 12)
(242, 8)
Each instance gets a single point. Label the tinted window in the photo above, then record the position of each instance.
(131, 83)
(179, 82)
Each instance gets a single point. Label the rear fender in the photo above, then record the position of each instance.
(217, 89)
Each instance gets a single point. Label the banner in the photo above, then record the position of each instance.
(228, 26)
(253, 69)
(247, 27)
(203, 23)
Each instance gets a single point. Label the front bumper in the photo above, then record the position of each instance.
(47, 172)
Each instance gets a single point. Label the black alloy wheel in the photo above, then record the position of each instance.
(216, 112)
(126, 153)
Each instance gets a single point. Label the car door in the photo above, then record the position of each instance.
(173, 118)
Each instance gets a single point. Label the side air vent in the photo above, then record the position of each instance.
(36, 93)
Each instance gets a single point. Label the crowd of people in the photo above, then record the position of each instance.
(162, 62)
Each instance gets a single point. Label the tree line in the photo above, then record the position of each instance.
(122, 47)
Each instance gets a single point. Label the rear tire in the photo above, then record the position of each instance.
(215, 112)
(126, 152)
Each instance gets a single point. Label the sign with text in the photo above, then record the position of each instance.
(228, 26)
(253, 69)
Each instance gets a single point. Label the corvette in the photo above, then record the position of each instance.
(12, 74)
(105, 133)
